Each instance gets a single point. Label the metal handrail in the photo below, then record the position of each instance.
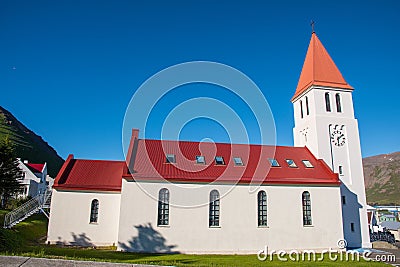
(28, 208)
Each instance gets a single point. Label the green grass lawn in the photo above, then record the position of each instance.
(28, 237)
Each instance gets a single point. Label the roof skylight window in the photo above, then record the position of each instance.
(307, 163)
(238, 161)
(200, 160)
(219, 160)
(170, 158)
(274, 163)
(291, 163)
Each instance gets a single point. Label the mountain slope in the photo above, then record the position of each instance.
(382, 178)
(29, 145)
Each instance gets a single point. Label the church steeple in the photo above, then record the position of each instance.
(319, 69)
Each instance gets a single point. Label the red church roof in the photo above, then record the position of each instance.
(35, 167)
(150, 164)
(90, 175)
(319, 69)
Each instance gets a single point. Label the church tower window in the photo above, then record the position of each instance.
(327, 102)
(214, 209)
(262, 208)
(306, 208)
(163, 207)
(307, 108)
(301, 109)
(338, 104)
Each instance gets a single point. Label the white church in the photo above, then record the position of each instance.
(198, 197)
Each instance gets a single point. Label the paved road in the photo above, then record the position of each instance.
(386, 255)
(11, 261)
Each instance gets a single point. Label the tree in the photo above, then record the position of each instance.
(10, 174)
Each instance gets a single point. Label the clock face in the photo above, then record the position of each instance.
(338, 138)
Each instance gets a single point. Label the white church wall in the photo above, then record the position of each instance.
(70, 216)
(188, 230)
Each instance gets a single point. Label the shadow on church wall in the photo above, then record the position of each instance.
(351, 214)
(81, 240)
(148, 240)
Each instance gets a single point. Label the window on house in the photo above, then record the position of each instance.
(94, 211)
(306, 208)
(340, 170)
(200, 160)
(327, 102)
(238, 161)
(163, 207)
(273, 162)
(170, 158)
(214, 209)
(301, 109)
(219, 160)
(343, 200)
(352, 227)
(262, 208)
(291, 163)
(307, 109)
(338, 104)
(307, 163)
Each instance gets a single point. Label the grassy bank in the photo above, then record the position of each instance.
(28, 237)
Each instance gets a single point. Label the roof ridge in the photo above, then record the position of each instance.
(216, 143)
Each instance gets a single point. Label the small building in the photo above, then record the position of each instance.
(34, 178)
(392, 227)
(387, 218)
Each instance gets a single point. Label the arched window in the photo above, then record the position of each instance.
(262, 208)
(301, 108)
(306, 208)
(163, 207)
(338, 104)
(214, 209)
(307, 109)
(327, 102)
(94, 211)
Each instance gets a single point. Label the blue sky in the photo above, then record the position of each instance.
(68, 69)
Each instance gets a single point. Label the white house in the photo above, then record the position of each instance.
(372, 218)
(34, 178)
(198, 197)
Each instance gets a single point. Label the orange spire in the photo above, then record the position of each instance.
(319, 69)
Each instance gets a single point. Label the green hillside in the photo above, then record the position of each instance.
(29, 145)
(382, 179)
